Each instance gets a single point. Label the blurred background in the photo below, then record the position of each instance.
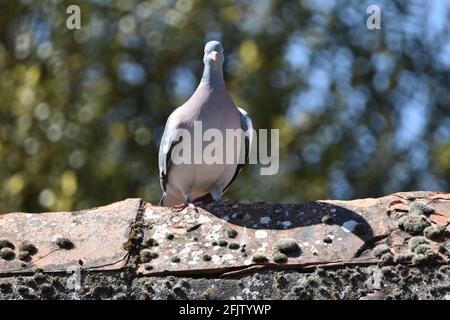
(361, 113)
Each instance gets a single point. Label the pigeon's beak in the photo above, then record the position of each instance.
(214, 55)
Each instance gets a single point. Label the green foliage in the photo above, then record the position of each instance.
(147, 255)
(286, 246)
(82, 111)
(28, 247)
(259, 258)
(414, 242)
(381, 249)
(413, 223)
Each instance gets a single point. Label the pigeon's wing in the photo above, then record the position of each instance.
(169, 140)
(247, 126)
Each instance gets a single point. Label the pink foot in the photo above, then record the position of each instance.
(182, 206)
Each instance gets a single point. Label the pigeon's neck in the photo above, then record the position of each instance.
(213, 76)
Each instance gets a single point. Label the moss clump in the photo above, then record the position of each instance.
(432, 255)
(28, 247)
(232, 233)
(380, 249)
(39, 278)
(327, 219)
(386, 259)
(175, 259)
(410, 197)
(5, 243)
(150, 242)
(64, 243)
(233, 246)
(24, 256)
(419, 259)
(46, 291)
(413, 223)
(146, 255)
(223, 243)
(403, 258)
(434, 232)
(425, 258)
(415, 241)
(422, 248)
(7, 254)
(135, 238)
(421, 208)
(443, 249)
(259, 258)
(286, 246)
(206, 257)
(387, 270)
(279, 257)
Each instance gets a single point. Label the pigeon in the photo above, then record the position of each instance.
(185, 184)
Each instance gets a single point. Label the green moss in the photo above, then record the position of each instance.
(327, 219)
(442, 248)
(24, 256)
(147, 255)
(5, 243)
(415, 241)
(387, 270)
(428, 257)
(431, 255)
(7, 253)
(403, 258)
(413, 223)
(170, 236)
(232, 233)
(29, 247)
(233, 246)
(150, 242)
(420, 208)
(259, 258)
(223, 243)
(286, 246)
(65, 243)
(134, 239)
(419, 259)
(410, 197)
(386, 259)
(279, 257)
(206, 257)
(380, 249)
(434, 232)
(175, 259)
(46, 291)
(39, 278)
(422, 248)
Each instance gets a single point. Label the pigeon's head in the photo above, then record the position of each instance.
(213, 53)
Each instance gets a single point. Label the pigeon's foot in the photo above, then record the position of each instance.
(182, 206)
